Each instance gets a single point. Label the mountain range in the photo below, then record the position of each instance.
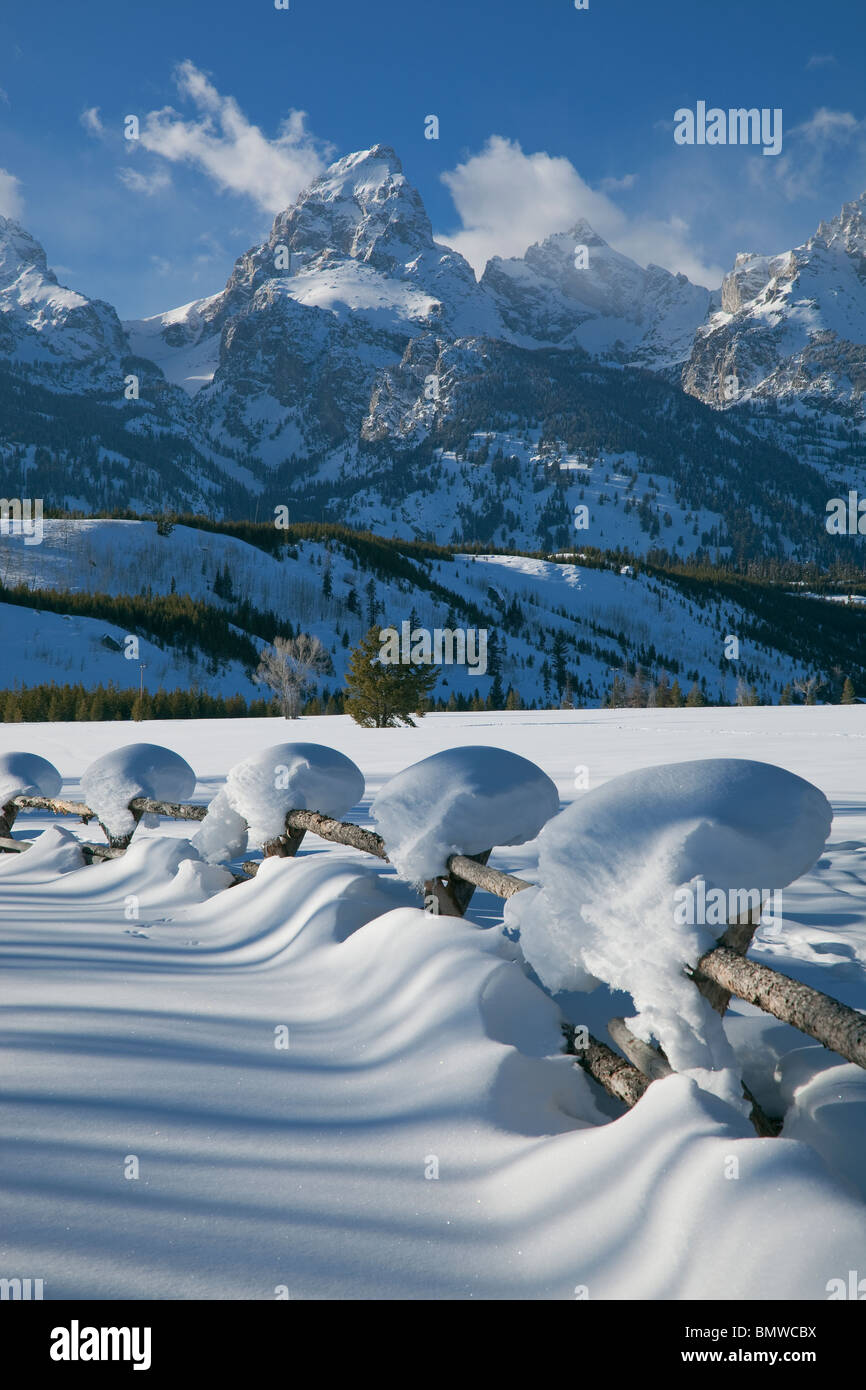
(355, 369)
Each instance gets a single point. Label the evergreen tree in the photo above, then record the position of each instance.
(637, 691)
(848, 692)
(382, 695)
(787, 695)
(560, 643)
(695, 696)
(616, 697)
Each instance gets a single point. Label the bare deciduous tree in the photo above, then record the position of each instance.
(808, 687)
(290, 667)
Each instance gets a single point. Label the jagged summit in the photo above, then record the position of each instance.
(603, 302)
(42, 323)
(792, 326)
(20, 251)
(362, 207)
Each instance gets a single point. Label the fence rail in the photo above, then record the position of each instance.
(722, 972)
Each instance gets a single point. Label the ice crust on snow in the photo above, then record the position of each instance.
(138, 769)
(26, 774)
(610, 866)
(461, 801)
(261, 790)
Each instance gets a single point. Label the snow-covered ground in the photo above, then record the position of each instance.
(325, 1092)
(614, 617)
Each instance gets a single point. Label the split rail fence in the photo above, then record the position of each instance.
(720, 974)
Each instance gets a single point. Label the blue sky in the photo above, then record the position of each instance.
(546, 113)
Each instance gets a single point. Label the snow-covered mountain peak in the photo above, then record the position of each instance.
(574, 290)
(362, 207)
(19, 251)
(847, 230)
(584, 234)
(792, 325)
(43, 323)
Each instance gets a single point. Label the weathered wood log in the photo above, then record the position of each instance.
(285, 846)
(176, 810)
(482, 876)
(655, 1065)
(837, 1027)
(648, 1059)
(619, 1078)
(340, 831)
(58, 805)
(11, 846)
(95, 852)
(90, 851)
(736, 937)
(7, 818)
(453, 894)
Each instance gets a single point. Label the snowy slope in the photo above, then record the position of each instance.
(447, 1151)
(607, 619)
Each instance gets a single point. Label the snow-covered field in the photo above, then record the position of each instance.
(419, 1135)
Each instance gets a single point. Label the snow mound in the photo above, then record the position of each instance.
(56, 851)
(619, 867)
(138, 769)
(26, 774)
(461, 801)
(262, 789)
(223, 833)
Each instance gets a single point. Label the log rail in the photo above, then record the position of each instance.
(720, 973)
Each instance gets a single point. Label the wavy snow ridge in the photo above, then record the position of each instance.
(411, 1039)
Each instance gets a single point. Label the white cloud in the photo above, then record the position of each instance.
(4, 97)
(669, 243)
(148, 184)
(507, 200)
(820, 60)
(828, 125)
(11, 202)
(826, 141)
(92, 121)
(232, 151)
(618, 185)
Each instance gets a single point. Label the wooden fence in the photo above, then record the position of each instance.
(724, 971)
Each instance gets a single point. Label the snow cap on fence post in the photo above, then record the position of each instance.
(27, 774)
(24, 774)
(137, 769)
(614, 866)
(461, 801)
(262, 789)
